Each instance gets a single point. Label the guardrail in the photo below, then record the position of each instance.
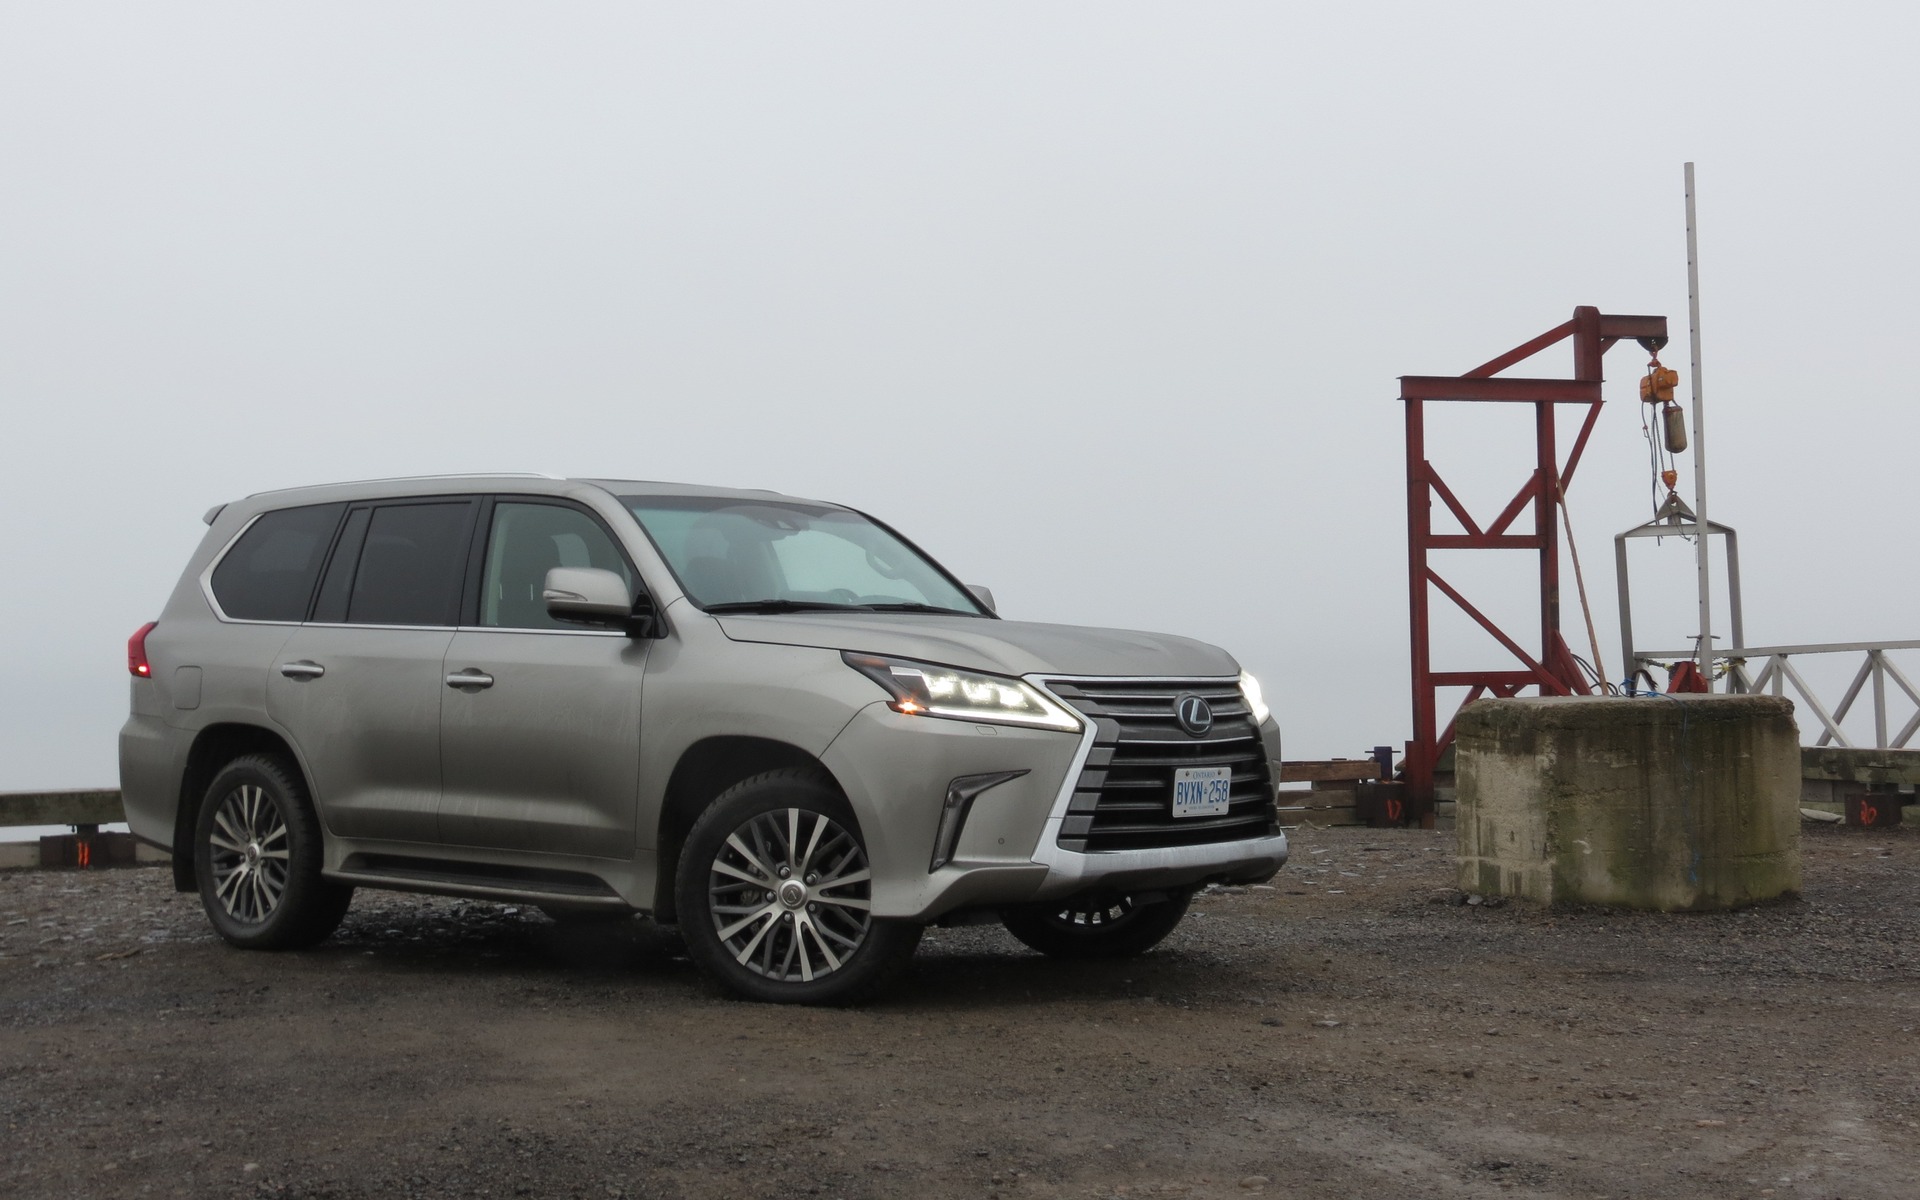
(86, 810)
(1875, 668)
(93, 806)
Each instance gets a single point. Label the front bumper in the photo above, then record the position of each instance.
(1251, 860)
(895, 770)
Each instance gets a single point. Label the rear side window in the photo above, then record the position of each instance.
(330, 607)
(411, 565)
(269, 573)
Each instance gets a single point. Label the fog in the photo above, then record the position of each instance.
(1102, 304)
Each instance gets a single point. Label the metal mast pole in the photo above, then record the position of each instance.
(1703, 655)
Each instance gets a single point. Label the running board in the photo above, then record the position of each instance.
(484, 880)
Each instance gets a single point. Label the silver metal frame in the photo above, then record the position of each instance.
(1674, 520)
(1779, 671)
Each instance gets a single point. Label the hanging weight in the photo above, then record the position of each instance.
(1673, 422)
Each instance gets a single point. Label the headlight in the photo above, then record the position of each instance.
(922, 689)
(1250, 690)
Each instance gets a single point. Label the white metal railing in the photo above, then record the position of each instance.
(1876, 668)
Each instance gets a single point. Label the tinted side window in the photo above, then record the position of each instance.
(269, 573)
(527, 541)
(411, 565)
(330, 606)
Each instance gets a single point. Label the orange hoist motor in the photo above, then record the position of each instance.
(1656, 387)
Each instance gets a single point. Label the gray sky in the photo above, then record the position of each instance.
(1102, 303)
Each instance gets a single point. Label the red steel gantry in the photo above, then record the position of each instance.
(1552, 669)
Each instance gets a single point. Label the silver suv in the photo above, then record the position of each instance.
(774, 721)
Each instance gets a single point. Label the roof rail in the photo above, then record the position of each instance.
(408, 478)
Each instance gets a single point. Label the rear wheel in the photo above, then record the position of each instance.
(775, 895)
(257, 856)
(1096, 926)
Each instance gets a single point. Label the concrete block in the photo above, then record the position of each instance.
(1650, 803)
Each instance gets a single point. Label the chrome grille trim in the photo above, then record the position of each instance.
(1121, 798)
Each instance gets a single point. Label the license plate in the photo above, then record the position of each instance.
(1201, 791)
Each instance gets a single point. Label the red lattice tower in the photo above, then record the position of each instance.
(1550, 667)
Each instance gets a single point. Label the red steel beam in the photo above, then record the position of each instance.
(1478, 690)
(1545, 526)
(1579, 448)
(1467, 541)
(1553, 670)
(1423, 746)
(1482, 678)
(1613, 327)
(1516, 391)
(1452, 502)
(1516, 506)
(1541, 675)
(1521, 352)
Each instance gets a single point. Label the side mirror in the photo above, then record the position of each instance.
(586, 596)
(985, 596)
(592, 596)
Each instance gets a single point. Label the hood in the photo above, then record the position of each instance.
(1003, 647)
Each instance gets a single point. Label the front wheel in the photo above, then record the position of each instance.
(1096, 926)
(775, 895)
(257, 856)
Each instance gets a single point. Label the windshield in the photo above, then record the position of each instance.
(778, 555)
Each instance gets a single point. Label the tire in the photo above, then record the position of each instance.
(808, 935)
(257, 857)
(1096, 926)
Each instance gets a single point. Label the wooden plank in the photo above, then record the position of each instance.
(96, 807)
(1314, 798)
(1319, 816)
(1309, 771)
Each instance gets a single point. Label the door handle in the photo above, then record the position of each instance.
(470, 678)
(302, 670)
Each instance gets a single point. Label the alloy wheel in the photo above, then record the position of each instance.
(790, 895)
(249, 854)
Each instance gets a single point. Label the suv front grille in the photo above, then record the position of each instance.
(1123, 799)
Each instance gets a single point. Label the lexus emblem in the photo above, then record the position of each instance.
(1195, 715)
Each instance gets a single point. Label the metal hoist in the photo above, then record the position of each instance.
(1656, 391)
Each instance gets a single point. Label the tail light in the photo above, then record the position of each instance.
(137, 665)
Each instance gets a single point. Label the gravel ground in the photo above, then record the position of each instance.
(1350, 1031)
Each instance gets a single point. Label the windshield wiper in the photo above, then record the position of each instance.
(905, 606)
(783, 606)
